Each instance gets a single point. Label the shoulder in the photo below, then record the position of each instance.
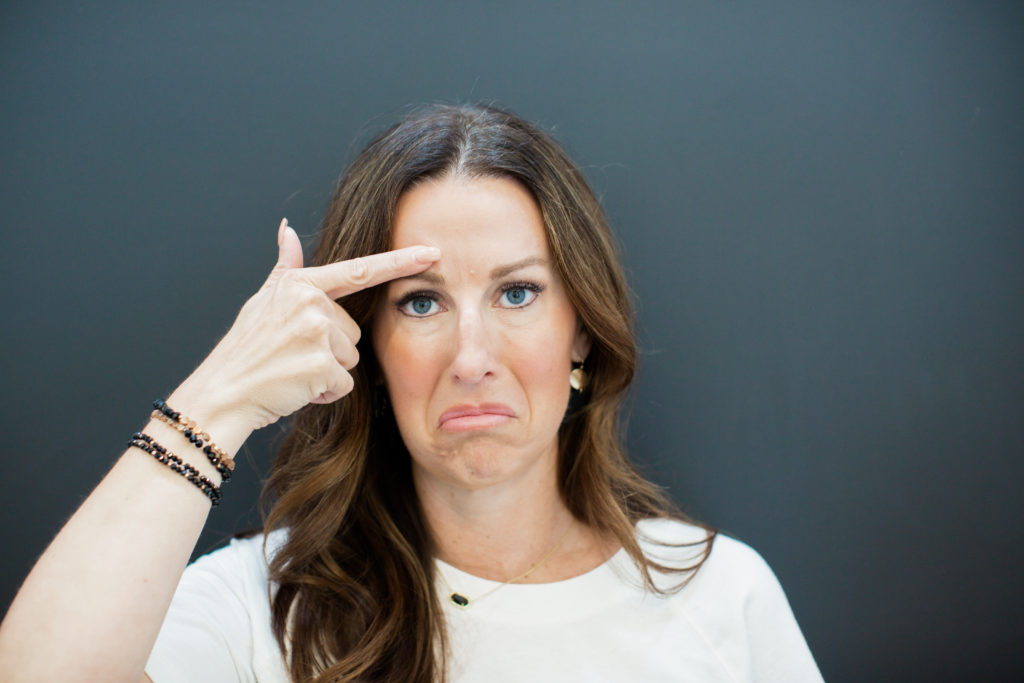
(241, 567)
(221, 615)
(249, 552)
(734, 601)
(731, 565)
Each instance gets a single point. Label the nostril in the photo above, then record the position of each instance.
(471, 365)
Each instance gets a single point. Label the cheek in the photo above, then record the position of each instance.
(408, 366)
(542, 363)
(532, 360)
(413, 361)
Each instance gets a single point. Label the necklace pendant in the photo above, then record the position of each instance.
(459, 599)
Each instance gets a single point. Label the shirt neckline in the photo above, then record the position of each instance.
(534, 602)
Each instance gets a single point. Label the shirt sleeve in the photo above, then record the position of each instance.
(736, 606)
(778, 650)
(207, 635)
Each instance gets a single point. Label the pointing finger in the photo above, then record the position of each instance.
(345, 277)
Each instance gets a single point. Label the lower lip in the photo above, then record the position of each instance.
(468, 423)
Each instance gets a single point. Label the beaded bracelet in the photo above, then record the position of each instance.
(200, 439)
(145, 442)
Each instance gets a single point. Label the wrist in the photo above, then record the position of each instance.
(226, 425)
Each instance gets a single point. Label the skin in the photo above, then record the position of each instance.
(489, 327)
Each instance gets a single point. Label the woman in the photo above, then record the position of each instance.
(452, 501)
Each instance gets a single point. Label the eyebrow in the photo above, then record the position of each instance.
(502, 271)
(496, 273)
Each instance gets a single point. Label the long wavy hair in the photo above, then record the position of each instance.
(354, 595)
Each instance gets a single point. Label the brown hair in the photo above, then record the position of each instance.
(355, 598)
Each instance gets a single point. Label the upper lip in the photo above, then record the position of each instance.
(470, 410)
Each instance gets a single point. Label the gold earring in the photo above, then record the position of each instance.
(578, 378)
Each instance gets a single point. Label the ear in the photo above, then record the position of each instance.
(580, 344)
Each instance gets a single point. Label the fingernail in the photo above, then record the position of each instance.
(428, 254)
(280, 231)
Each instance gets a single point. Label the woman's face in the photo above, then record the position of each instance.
(476, 351)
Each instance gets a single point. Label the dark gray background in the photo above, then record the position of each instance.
(819, 204)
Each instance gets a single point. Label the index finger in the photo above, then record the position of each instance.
(345, 277)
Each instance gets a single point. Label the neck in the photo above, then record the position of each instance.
(501, 531)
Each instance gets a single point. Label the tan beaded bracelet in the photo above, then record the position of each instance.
(198, 438)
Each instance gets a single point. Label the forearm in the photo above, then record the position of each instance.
(92, 606)
(94, 602)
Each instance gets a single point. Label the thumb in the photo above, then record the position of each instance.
(289, 249)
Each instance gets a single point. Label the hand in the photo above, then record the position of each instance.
(291, 343)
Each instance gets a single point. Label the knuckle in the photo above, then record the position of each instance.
(318, 325)
(308, 325)
(359, 271)
(309, 296)
(295, 295)
(351, 358)
(324, 365)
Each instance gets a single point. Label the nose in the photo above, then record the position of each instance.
(473, 361)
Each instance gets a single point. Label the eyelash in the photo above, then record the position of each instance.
(402, 303)
(528, 286)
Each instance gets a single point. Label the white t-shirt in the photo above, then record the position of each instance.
(732, 622)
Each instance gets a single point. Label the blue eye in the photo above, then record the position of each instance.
(418, 305)
(515, 296)
(519, 294)
(421, 306)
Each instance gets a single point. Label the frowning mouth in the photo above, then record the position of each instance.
(467, 417)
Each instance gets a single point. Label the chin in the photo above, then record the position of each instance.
(476, 463)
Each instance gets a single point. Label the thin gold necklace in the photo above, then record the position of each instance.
(460, 600)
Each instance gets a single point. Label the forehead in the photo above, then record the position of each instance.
(484, 218)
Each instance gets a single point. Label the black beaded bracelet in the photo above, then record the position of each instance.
(145, 442)
(200, 439)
